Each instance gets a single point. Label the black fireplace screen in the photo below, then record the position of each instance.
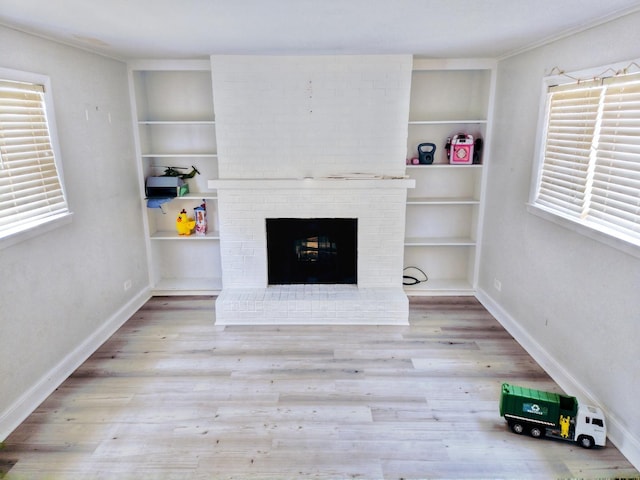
(312, 250)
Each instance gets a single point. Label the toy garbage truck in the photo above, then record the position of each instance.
(545, 414)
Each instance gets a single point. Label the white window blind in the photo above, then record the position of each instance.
(590, 171)
(571, 123)
(30, 186)
(615, 192)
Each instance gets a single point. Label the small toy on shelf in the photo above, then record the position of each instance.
(184, 225)
(426, 153)
(545, 414)
(460, 149)
(173, 172)
(201, 219)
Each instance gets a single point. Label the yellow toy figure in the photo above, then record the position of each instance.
(564, 426)
(184, 225)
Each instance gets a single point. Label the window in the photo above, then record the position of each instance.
(589, 168)
(32, 197)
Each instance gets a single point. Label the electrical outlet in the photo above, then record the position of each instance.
(497, 284)
(127, 285)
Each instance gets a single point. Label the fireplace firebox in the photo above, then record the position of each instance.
(312, 250)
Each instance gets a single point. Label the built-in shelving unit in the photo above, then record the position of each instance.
(172, 103)
(175, 126)
(444, 210)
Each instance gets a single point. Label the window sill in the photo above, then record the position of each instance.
(628, 247)
(33, 230)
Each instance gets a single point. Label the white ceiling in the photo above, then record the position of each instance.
(197, 28)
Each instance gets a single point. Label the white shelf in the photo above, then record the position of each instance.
(444, 165)
(180, 155)
(198, 196)
(446, 122)
(434, 287)
(434, 242)
(442, 201)
(444, 210)
(173, 235)
(172, 102)
(176, 122)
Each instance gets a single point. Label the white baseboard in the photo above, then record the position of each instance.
(13, 416)
(618, 434)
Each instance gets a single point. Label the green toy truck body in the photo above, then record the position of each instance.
(546, 414)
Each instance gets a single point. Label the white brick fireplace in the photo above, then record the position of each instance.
(311, 137)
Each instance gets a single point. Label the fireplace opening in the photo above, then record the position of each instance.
(312, 250)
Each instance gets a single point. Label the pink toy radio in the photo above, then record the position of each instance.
(460, 151)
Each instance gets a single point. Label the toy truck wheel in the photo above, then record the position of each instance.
(517, 428)
(585, 441)
(536, 432)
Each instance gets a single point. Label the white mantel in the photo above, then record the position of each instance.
(310, 183)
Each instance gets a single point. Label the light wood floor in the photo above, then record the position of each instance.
(172, 396)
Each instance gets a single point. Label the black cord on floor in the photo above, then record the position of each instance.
(411, 280)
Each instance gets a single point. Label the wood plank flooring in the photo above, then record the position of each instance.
(172, 396)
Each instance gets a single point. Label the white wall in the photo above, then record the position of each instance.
(297, 116)
(62, 293)
(570, 300)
